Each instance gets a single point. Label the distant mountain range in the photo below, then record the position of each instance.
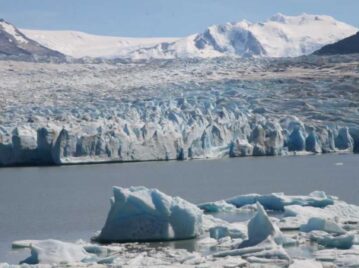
(280, 36)
(14, 44)
(348, 45)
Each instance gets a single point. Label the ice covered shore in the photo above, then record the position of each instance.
(77, 113)
(317, 230)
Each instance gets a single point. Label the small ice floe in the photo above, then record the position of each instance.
(346, 215)
(218, 206)
(343, 241)
(339, 164)
(306, 264)
(321, 224)
(52, 251)
(275, 201)
(338, 258)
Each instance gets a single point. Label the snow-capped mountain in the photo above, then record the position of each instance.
(79, 44)
(15, 44)
(280, 36)
(349, 45)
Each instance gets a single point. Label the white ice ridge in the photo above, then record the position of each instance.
(330, 239)
(280, 36)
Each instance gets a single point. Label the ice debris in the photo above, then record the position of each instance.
(275, 201)
(139, 214)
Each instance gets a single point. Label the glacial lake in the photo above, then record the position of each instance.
(71, 202)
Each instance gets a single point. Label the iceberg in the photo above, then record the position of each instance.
(260, 227)
(141, 214)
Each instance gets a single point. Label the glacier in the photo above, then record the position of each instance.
(54, 114)
(329, 240)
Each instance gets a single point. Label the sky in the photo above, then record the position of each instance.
(160, 18)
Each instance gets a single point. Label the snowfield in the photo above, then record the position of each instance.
(79, 44)
(259, 234)
(280, 36)
(76, 113)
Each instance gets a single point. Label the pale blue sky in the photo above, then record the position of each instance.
(160, 17)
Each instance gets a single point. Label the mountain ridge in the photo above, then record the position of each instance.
(279, 36)
(16, 45)
(349, 45)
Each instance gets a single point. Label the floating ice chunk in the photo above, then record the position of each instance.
(277, 201)
(52, 252)
(340, 258)
(207, 241)
(344, 241)
(228, 261)
(306, 264)
(267, 249)
(259, 228)
(341, 212)
(208, 221)
(141, 214)
(320, 224)
(218, 206)
(232, 230)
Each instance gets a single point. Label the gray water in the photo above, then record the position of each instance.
(71, 202)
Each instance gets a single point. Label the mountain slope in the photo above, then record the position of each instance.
(79, 44)
(280, 36)
(14, 44)
(348, 45)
